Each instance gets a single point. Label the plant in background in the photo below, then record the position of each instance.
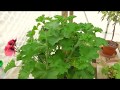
(60, 49)
(112, 72)
(112, 16)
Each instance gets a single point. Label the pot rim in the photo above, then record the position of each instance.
(112, 41)
(108, 56)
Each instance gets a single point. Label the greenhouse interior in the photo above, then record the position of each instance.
(59, 45)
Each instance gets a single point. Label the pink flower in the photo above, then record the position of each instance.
(12, 42)
(10, 48)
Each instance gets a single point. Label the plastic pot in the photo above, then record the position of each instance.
(108, 50)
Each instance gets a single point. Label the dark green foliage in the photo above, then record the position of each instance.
(62, 50)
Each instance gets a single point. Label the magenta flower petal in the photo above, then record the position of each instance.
(12, 42)
(9, 50)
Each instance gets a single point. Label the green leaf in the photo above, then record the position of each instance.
(42, 35)
(35, 27)
(49, 74)
(30, 33)
(86, 75)
(90, 54)
(41, 19)
(69, 29)
(53, 40)
(73, 74)
(70, 17)
(59, 64)
(10, 65)
(117, 66)
(59, 18)
(26, 69)
(67, 46)
(52, 25)
(97, 29)
(38, 25)
(86, 27)
(79, 65)
(105, 70)
(30, 49)
(99, 41)
(117, 75)
(40, 72)
(52, 74)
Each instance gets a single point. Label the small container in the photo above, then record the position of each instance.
(2, 73)
(107, 50)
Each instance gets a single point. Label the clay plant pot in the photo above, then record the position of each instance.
(112, 44)
(107, 50)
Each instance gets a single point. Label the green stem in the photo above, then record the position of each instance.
(113, 30)
(71, 14)
(46, 54)
(107, 28)
(19, 66)
(72, 51)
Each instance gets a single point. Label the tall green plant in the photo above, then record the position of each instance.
(111, 16)
(63, 49)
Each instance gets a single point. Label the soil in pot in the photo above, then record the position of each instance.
(112, 44)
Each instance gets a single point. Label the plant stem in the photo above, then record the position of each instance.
(107, 28)
(65, 13)
(19, 66)
(113, 30)
(72, 51)
(46, 54)
(115, 25)
(71, 13)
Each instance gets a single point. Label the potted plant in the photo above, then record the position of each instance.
(61, 49)
(112, 72)
(112, 16)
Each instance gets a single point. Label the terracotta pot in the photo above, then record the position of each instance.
(112, 44)
(107, 50)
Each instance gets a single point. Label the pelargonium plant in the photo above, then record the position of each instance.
(59, 49)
